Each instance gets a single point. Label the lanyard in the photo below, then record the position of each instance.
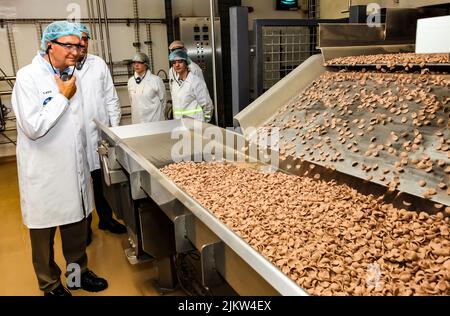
(179, 81)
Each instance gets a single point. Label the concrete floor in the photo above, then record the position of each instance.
(105, 255)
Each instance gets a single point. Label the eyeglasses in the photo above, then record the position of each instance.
(178, 61)
(69, 46)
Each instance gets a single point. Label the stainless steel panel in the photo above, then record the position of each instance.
(136, 187)
(142, 151)
(401, 23)
(195, 32)
(267, 104)
(334, 52)
(212, 260)
(182, 224)
(338, 35)
(157, 230)
(239, 47)
(166, 275)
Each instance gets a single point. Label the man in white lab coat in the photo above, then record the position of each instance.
(54, 180)
(146, 91)
(193, 67)
(100, 101)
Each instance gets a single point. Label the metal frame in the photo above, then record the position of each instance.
(235, 259)
(239, 48)
(314, 9)
(259, 25)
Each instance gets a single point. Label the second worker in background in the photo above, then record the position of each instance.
(146, 91)
(100, 102)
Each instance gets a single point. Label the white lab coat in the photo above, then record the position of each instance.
(193, 67)
(148, 99)
(54, 179)
(100, 101)
(190, 98)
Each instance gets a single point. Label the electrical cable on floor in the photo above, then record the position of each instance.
(188, 277)
(181, 274)
(193, 255)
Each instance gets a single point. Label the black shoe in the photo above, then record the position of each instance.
(113, 226)
(90, 282)
(59, 291)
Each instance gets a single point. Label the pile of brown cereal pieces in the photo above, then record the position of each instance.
(328, 238)
(404, 59)
(384, 127)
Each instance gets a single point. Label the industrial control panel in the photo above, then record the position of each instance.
(195, 33)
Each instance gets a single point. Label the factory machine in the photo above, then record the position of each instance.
(165, 222)
(196, 34)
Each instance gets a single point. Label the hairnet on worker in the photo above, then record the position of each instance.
(177, 44)
(179, 54)
(58, 29)
(141, 58)
(84, 29)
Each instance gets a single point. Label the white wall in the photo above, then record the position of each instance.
(191, 7)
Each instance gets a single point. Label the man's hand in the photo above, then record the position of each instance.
(66, 88)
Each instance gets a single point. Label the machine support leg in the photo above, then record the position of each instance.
(167, 279)
(212, 262)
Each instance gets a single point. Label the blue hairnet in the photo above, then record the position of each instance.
(179, 54)
(58, 29)
(84, 29)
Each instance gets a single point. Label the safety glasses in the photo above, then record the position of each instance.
(69, 46)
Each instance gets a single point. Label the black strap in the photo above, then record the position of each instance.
(138, 79)
(64, 76)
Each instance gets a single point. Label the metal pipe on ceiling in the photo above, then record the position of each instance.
(149, 43)
(7, 78)
(90, 18)
(39, 33)
(12, 47)
(84, 20)
(169, 20)
(108, 41)
(137, 40)
(100, 25)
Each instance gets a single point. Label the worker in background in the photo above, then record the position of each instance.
(54, 179)
(146, 91)
(190, 96)
(100, 102)
(193, 67)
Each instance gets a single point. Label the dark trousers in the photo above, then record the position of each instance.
(104, 211)
(73, 239)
